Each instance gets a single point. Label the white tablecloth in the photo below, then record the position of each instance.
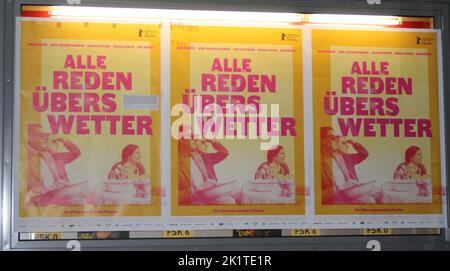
(253, 197)
(390, 196)
(103, 197)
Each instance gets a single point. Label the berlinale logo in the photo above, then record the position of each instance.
(289, 37)
(421, 40)
(146, 33)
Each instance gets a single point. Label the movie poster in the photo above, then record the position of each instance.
(377, 127)
(237, 122)
(88, 129)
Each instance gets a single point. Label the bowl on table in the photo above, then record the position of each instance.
(402, 185)
(423, 182)
(141, 188)
(424, 186)
(117, 186)
(287, 187)
(286, 183)
(262, 185)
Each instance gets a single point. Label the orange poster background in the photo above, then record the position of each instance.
(147, 78)
(399, 48)
(182, 38)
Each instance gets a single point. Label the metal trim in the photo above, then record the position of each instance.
(7, 69)
(2, 12)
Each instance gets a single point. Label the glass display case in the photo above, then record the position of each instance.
(223, 125)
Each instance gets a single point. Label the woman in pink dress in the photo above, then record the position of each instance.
(130, 167)
(412, 167)
(275, 167)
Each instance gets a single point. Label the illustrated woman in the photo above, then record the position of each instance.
(130, 167)
(275, 167)
(412, 167)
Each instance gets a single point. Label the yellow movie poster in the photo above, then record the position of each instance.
(88, 119)
(377, 148)
(237, 121)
